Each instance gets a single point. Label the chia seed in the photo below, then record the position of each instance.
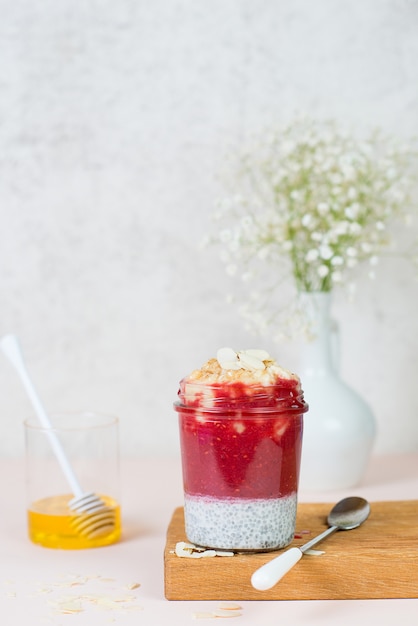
(240, 524)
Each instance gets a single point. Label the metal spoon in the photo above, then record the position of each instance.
(347, 514)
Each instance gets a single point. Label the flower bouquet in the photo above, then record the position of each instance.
(312, 201)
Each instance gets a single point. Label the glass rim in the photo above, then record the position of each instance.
(244, 413)
(61, 421)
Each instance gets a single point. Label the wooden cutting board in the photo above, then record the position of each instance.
(377, 560)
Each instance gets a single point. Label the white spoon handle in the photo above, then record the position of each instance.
(269, 574)
(11, 349)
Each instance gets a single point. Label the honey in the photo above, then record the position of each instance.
(49, 525)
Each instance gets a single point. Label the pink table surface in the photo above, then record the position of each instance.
(38, 584)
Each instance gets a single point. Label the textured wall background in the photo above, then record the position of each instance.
(114, 119)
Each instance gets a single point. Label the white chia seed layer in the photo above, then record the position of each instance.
(240, 524)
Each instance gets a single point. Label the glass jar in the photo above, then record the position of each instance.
(240, 449)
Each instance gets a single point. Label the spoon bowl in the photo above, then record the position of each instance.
(347, 514)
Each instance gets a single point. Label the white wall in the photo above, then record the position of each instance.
(114, 119)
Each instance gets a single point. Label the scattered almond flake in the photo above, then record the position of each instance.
(67, 605)
(228, 613)
(113, 602)
(77, 604)
(133, 585)
(72, 580)
(118, 601)
(315, 552)
(107, 604)
(43, 590)
(189, 550)
(229, 606)
(183, 551)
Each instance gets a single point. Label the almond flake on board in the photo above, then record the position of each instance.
(189, 550)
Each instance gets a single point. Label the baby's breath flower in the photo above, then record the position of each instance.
(325, 252)
(312, 201)
(323, 208)
(311, 255)
(323, 270)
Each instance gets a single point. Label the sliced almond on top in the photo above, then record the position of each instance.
(250, 362)
(262, 355)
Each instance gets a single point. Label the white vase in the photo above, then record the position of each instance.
(339, 428)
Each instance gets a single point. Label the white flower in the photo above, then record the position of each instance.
(325, 252)
(247, 222)
(323, 270)
(323, 208)
(225, 235)
(311, 255)
(307, 220)
(352, 211)
(342, 228)
(263, 253)
(354, 228)
(310, 201)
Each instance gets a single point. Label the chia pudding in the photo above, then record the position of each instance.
(241, 422)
